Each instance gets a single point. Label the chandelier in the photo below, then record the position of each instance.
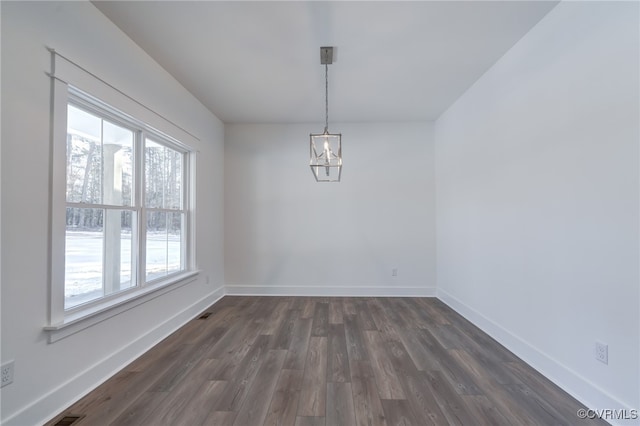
(325, 149)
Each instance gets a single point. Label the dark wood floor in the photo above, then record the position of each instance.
(328, 361)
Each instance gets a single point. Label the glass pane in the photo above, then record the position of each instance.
(163, 176)
(173, 186)
(164, 244)
(174, 240)
(83, 256)
(98, 255)
(117, 158)
(84, 156)
(157, 251)
(118, 250)
(154, 174)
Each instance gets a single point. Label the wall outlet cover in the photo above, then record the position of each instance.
(602, 352)
(7, 373)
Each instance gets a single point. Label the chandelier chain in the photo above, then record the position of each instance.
(326, 98)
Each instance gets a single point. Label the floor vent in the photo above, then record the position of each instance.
(69, 420)
(205, 315)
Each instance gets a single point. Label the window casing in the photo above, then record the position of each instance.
(127, 214)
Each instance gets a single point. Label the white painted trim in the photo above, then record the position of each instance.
(567, 379)
(53, 403)
(84, 318)
(329, 291)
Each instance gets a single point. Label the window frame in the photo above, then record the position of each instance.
(63, 322)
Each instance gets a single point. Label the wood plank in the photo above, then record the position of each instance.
(366, 403)
(454, 370)
(256, 404)
(356, 348)
(284, 404)
(309, 421)
(320, 327)
(413, 313)
(349, 306)
(387, 380)
(335, 312)
(338, 360)
(180, 368)
(435, 310)
(383, 321)
(220, 418)
(423, 358)
(238, 387)
(176, 401)
(398, 412)
(365, 321)
(309, 308)
(284, 333)
(138, 410)
(393, 310)
(278, 315)
(197, 409)
(261, 313)
(340, 409)
(420, 395)
(314, 383)
(231, 338)
(230, 357)
(485, 412)
(452, 405)
(402, 363)
(297, 353)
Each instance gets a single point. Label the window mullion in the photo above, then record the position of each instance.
(104, 213)
(141, 249)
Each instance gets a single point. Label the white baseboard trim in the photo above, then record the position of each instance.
(567, 379)
(46, 407)
(329, 291)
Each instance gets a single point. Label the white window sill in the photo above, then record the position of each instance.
(91, 315)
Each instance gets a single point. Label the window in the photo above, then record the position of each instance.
(127, 216)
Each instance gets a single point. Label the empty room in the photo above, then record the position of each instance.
(320, 213)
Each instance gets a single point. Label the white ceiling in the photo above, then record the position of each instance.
(259, 62)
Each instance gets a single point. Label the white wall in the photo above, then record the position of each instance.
(537, 200)
(49, 376)
(287, 234)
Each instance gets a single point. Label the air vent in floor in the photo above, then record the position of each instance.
(69, 420)
(205, 315)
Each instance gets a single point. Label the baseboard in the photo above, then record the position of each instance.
(329, 291)
(45, 408)
(570, 381)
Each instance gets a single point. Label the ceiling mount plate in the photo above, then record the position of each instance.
(326, 55)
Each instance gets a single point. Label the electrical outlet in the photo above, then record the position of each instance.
(7, 373)
(394, 272)
(602, 352)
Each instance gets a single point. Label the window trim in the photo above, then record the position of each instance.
(61, 322)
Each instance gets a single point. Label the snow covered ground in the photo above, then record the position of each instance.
(84, 259)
